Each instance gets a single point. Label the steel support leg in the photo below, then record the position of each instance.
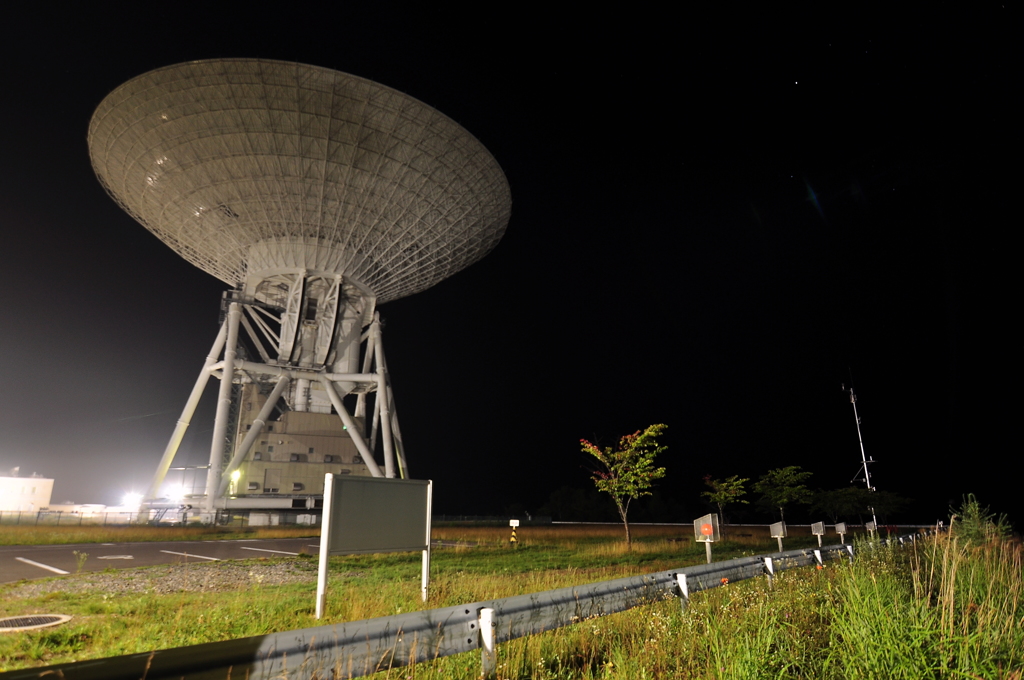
(186, 415)
(220, 425)
(250, 437)
(357, 438)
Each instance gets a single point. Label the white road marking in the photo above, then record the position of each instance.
(115, 557)
(42, 566)
(279, 552)
(202, 557)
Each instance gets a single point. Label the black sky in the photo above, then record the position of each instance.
(715, 219)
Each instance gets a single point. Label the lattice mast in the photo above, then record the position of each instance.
(316, 195)
(864, 460)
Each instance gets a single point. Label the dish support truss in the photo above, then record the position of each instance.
(318, 325)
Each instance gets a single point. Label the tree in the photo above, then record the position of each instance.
(725, 491)
(842, 503)
(782, 487)
(887, 504)
(628, 471)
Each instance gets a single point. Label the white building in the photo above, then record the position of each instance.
(26, 494)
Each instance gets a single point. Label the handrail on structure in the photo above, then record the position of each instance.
(358, 648)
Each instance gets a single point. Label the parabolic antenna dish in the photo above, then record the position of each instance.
(245, 166)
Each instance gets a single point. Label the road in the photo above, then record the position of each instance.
(40, 561)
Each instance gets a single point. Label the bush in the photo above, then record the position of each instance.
(972, 523)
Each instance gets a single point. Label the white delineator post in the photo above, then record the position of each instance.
(488, 648)
(684, 591)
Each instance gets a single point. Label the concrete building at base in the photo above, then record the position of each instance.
(292, 453)
(25, 494)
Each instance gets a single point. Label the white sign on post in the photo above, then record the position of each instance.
(778, 531)
(818, 529)
(706, 531)
(373, 515)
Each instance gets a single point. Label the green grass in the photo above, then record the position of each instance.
(942, 609)
(361, 586)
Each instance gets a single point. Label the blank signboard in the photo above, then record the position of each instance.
(373, 515)
(376, 514)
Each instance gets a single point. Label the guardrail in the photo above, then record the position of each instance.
(357, 648)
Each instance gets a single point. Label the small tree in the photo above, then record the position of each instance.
(782, 487)
(628, 471)
(724, 492)
(974, 523)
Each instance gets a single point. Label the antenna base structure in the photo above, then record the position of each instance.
(316, 196)
(336, 353)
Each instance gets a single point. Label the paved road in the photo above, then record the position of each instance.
(39, 561)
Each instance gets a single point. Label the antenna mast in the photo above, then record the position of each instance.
(864, 460)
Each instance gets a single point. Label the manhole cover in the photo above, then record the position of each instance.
(15, 623)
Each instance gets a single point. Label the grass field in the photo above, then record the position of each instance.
(942, 610)
(577, 534)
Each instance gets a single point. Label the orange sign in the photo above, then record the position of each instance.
(707, 529)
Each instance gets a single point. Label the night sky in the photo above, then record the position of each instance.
(716, 221)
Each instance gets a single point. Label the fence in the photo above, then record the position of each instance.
(167, 517)
(357, 648)
(68, 518)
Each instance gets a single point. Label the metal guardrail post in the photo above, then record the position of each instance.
(769, 570)
(488, 646)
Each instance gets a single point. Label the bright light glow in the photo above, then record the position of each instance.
(176, 495)
(236, 475)
(132, 500)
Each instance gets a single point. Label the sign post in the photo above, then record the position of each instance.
(778, 530)
(373, 515)
(818, 529)
(514, 542)
(841, 530)
(706, 531)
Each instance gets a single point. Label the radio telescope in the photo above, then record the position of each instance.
(316, 195)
